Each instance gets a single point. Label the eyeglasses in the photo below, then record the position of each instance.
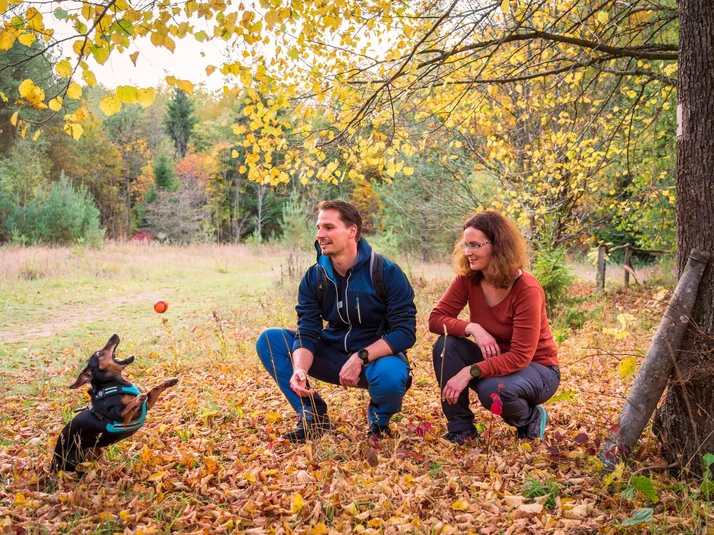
(472, 246)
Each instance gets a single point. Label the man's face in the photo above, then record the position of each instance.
(333, 235)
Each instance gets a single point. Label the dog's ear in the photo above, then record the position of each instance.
(84, 378)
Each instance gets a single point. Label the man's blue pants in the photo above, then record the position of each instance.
(385, 378)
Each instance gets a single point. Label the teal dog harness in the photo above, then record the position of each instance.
(113, 426)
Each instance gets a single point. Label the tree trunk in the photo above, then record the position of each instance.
(685, 421)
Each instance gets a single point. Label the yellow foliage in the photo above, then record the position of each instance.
(74, 91)
(110, 105)
(64, 69)
(145, 97)
(127, 94)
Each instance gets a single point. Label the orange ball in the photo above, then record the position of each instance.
(161, 306)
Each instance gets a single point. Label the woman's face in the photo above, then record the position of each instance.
(478, 258)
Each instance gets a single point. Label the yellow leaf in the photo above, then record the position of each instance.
(20, 499)
(169, 43)
(74, 130)
(320, 529)
(234, 154)
(146, 97)
(27, 38)
(89, 78)
(13, 119)
(110, 105)
(3, 97)
(271, 417)
(55, 104)
(602, 17)
(171, 80)
(627, 368)
(100, 53)
(124, 515)
(133, 57)
(156, 476)
(297, 503)
(74, 91)
(127, 94)
(460, 505)
(504, 6)
(3, 6)
(64, 69)
(185, 86)
(409, 171)
(37, 135)
(249, 477)
(210, 70)
(351, 509)
(6, 40)
(157, 39)
(26, 87)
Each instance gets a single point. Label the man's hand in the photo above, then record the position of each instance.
(349, 374)
(456, 385)
(486, 343)
(298, 382)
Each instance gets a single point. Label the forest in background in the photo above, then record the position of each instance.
(576, 159)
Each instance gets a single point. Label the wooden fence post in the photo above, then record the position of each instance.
(600, 278)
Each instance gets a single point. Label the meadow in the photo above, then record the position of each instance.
(210, 458)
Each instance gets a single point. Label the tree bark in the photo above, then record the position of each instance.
(685, 422)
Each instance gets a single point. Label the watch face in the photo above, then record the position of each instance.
(363, 354)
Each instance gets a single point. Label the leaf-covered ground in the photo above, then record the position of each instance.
(210, 458)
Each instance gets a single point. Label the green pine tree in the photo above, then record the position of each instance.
(179, 121)
(164, 174)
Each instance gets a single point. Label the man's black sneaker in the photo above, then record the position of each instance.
(461, 437)
(310, 429)
(379, 431)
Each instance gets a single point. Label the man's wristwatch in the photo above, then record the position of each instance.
(475, 371)
(363, 355)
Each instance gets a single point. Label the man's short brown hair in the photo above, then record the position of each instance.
(349, 214)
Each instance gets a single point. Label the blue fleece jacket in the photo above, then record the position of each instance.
(354, 324)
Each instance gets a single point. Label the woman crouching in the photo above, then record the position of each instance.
(513, 353)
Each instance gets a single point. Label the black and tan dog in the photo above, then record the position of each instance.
(118, 409)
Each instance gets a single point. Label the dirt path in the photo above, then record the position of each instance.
(67, 317)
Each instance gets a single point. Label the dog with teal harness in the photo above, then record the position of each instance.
(117, 411)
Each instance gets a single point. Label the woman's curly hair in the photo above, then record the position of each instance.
(509, 252)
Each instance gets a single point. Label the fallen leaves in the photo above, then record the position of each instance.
(211, 459)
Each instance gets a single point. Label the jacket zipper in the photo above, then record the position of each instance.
(347, 310)
(359, 315)
(337, 294)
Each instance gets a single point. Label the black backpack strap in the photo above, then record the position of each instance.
(376, 273)
(321, 284)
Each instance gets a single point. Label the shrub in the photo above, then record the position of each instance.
(66, 215)
(550, 270)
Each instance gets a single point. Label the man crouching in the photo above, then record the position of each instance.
(368, 305)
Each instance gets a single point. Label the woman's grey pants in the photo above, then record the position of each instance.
(520, 392)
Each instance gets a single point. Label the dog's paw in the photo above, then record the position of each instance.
(171, 382)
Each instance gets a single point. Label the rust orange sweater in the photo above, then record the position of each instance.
(518, 323)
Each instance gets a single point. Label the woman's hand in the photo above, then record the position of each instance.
(486, 343)
(455, 385)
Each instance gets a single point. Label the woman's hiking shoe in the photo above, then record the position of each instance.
(543, 421)
(310, 429)
(535, 429)
(461, 437)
